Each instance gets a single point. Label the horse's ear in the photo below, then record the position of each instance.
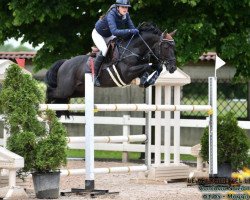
(173, 33)
(164, 32)
(141, 25)
(163, 35)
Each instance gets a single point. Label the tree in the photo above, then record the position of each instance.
(43, 146)
(65, 26)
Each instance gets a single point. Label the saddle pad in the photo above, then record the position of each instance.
(87, 66)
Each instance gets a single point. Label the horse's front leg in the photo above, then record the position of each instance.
(149, 79)
(138, 71)
(153, 76)
(145, 75)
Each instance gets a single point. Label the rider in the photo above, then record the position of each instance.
(108, 27)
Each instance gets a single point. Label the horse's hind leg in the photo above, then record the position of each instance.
(50, 94)
(60, 92)
(62, 112)
(52, 97)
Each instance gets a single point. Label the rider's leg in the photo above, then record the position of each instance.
(98, 62)
(101, 45)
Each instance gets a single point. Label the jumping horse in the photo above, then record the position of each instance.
(140, 56)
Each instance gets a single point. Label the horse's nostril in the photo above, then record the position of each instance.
(172, 69)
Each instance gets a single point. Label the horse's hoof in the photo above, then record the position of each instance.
(146, 84)
(97, 83)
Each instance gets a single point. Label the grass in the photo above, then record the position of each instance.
(76, 153)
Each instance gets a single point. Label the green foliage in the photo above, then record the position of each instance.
(232, 143)
(219, 25)
(42, 144)
(51, 150)
(19, 100)
(24, 144)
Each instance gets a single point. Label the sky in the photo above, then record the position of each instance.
(17, 43)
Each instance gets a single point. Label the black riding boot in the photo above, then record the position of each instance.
(98, 62)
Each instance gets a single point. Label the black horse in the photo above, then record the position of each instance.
(139, 56)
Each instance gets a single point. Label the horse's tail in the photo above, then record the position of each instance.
(51, 81)
(51, 75)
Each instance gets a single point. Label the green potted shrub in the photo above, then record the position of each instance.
(41, 141)
(232, 146)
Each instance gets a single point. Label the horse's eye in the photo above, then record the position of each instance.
(172, 43)
(167, 45)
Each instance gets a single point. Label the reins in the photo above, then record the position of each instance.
(150, 50)
(134, 54)
(126, 49)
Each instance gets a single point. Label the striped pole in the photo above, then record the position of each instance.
(107, 170)
(109, 139)
(126, 107)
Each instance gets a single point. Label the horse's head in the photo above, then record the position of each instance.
(166, 51)
(162, 45)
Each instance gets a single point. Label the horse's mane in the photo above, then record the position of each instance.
(149, 27)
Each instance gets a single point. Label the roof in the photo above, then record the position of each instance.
(29, 55)
(208, 56)
(178, 78)
(14, 55)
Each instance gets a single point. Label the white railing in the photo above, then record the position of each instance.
(126, 121)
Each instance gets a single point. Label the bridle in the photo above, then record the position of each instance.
(160, 59)
(170, 43)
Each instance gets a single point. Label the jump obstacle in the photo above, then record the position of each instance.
(89, 139)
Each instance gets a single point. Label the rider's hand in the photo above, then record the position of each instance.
(134, 31)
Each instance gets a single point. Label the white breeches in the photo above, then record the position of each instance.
(101, 42)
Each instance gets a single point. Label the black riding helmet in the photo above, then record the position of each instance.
(125, 3)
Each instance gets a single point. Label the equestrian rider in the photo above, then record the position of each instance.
(110, 26)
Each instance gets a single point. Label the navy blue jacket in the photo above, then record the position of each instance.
(115, 24)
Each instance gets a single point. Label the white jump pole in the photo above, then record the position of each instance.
(126, 107)
(109, 139)
(213, 168)
(89, 132)
(107, 170)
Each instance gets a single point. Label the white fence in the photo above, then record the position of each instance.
(126, 122)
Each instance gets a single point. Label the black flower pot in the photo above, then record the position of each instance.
(46, 185)
(225, 170)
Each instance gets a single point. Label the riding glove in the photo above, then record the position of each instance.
(134, 31)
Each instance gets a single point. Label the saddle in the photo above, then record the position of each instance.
(111, 58)
(112, 55)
